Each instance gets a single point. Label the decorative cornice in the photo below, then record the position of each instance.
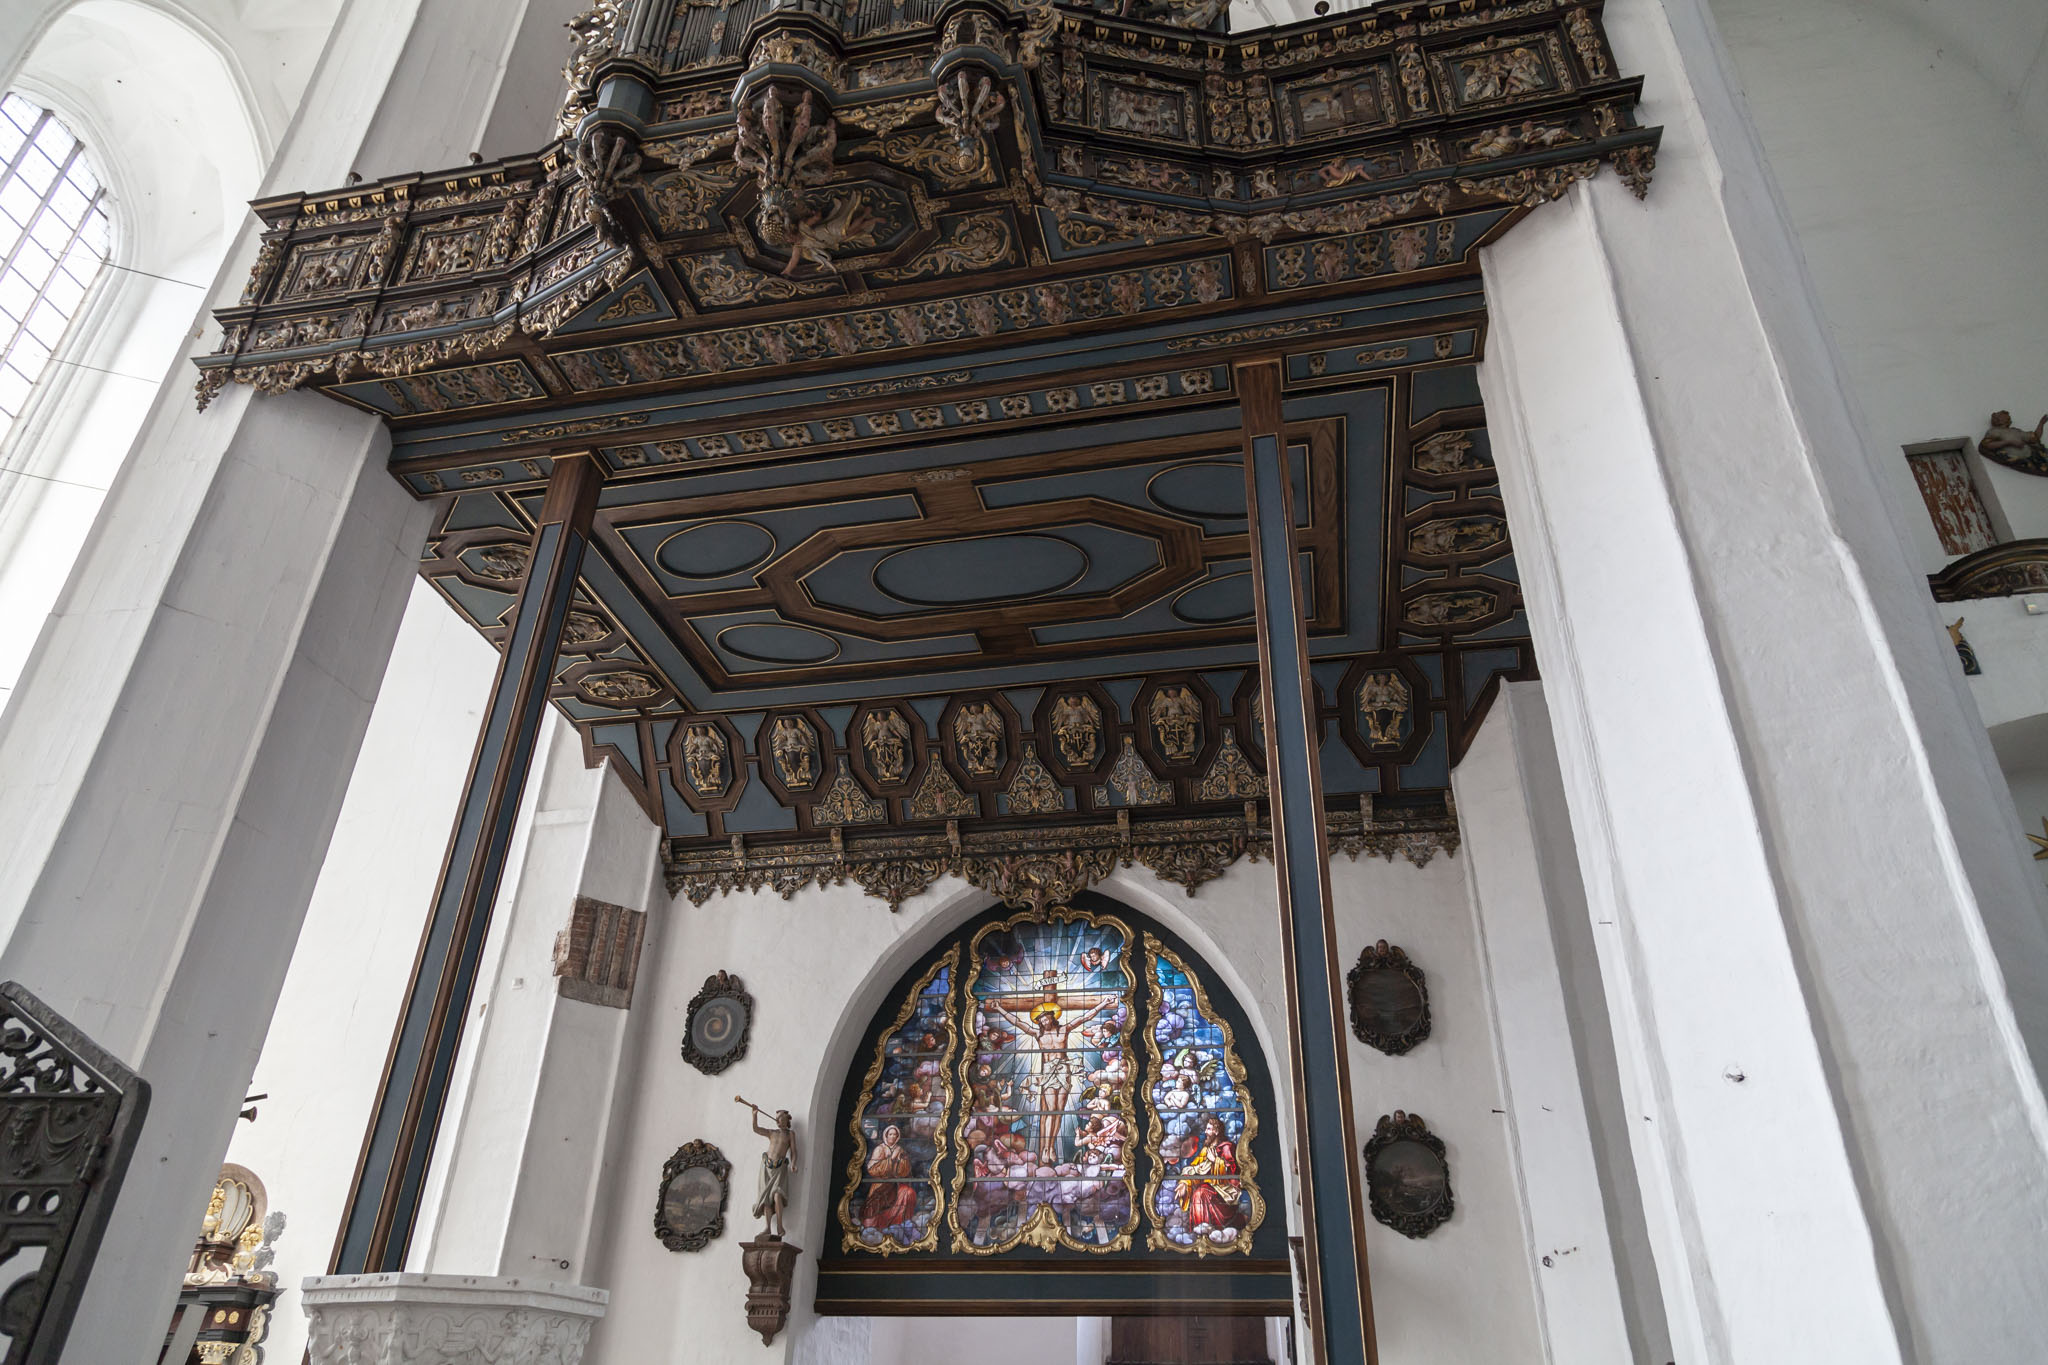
(2018, 566)
(1040, 865)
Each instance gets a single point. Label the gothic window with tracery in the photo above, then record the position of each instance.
(1068, 1083)
(54, 239)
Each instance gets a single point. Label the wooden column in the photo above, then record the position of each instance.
(1326, 1147)
(383, 1203)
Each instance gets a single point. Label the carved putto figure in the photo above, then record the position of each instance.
(704, 759)
(820, 235)
(978, 731)
(1177, 722)
(778, 1164)
(886, 737)
(1383, 701)
(1077, 726)
(794, 745)
(2014, 448)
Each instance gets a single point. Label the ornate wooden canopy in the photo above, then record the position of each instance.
(902, 332)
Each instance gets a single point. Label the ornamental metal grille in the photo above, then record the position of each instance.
(54, 237)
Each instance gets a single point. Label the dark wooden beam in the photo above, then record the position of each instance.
(1333, 1207)
(383, 1202)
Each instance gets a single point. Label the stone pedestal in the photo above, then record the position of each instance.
(412, 1319)
(770, 1264)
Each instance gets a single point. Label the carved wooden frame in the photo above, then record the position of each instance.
(694, 1155)
(717, 986)
(1393, 1129)
(1379, 957)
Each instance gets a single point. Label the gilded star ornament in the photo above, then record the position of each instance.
(2040, 842)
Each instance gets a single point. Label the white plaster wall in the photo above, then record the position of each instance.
(1919, 202)
(819, 966)
(324, 1052)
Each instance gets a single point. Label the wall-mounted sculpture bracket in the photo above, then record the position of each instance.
(689, 1209)
(1409, 1175)
(770, 1265)
(720, 1019)
(1389, 1000)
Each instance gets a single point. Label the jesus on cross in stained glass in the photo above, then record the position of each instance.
(1054, 1072)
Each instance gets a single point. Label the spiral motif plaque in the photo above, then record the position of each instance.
(721, 1016)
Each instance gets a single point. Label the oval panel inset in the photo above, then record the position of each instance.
(955, 573)
(714, 549)
(764, 642)
(1212, 489)
(1218, 602)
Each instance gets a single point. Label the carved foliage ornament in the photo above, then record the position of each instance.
(689, 1209)
(720, 1019)
(1409, 1175)
(1389, 1000)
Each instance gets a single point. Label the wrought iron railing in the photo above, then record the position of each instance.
(69, 1117)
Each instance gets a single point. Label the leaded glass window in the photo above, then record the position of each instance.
(1066, 1085)
(54, 239)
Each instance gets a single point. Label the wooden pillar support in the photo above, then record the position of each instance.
(391, 1172)
(1333, 1221)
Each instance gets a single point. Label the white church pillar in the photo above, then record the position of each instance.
(1557, 1066)
(1824, 958)
(174, 757)
(518, 1163)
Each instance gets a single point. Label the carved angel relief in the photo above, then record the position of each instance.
(795, 749)
(1077, 726)
(704, 759)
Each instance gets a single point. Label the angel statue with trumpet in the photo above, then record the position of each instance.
(778, 1163)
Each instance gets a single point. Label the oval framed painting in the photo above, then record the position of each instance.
(1408, 1175)
(1389, 1000)
(689, 1211)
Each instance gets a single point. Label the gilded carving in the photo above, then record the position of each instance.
(1458, 535)
(971, 111)
(502, 563)
(1586, 41)
(1033, 791)
(846, 802)
(939, 797)
(978, 738)
(789, 152)
(885, 737)
(1134, 783)
(621, 688)
(704, 759)
(1383, 701)
(720, 282)
(1177, 723)
(1436, 609)
(794, 747)
(584, 628)
(1447, 452)
(1230, 776)
(977, 241)
(1077, 729)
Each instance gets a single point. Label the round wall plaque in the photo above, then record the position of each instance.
(1408, 1175)
(1389, 1000)
(721, 1016)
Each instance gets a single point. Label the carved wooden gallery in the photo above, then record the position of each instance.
(929, 439)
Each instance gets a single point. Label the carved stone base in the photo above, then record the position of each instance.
(412, 1319)
(770, 1264)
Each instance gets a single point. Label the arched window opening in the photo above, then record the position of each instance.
(54, 239)
(1069, 1094)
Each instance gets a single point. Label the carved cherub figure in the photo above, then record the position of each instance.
(821, 235)
(2004, 441)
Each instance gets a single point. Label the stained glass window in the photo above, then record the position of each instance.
(54, 237)
(1065, 1083)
